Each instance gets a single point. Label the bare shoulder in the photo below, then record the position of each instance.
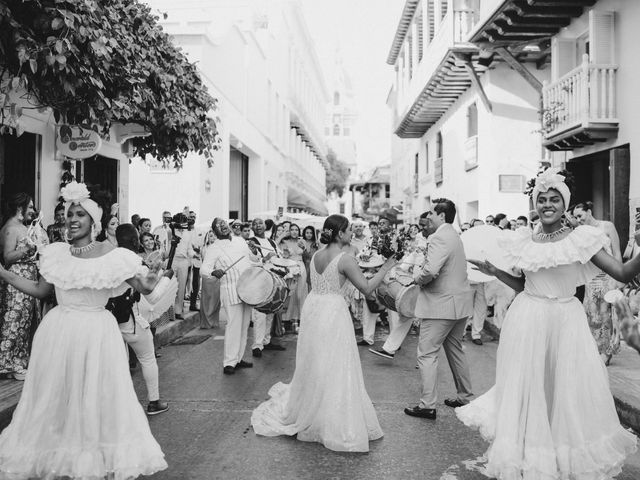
(608, 227)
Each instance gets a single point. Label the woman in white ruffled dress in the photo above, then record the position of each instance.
(550, 414)
(78, 416)
(326, 401)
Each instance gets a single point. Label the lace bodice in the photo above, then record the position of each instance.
(328, 283)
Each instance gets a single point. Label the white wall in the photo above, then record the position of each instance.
(508, 143)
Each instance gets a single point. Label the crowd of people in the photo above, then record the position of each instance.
(323, 285)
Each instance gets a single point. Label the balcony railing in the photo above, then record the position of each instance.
(583, 98)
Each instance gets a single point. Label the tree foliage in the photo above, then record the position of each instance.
(98, 62)
(336, 175)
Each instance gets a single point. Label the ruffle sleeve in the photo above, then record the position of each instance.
(578, 247)
(59, 267)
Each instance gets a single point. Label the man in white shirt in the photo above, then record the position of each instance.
(162, 234)
(359, 239)
(227, 259)
(262, 322)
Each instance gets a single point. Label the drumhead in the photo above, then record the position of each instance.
(406, 301)
(283, 262)
(255, 286)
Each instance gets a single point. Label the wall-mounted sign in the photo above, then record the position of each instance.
(77, 142)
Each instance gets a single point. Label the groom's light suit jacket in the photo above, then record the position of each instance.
(445, 293)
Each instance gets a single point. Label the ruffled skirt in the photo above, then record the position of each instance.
(326, 401)
(550, 415)
(78, 416)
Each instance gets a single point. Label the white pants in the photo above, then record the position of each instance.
(181, 268)
(141, 341)
(399, 327)
(235, 334)
(479, 309)
(261, 328)
(369, 320)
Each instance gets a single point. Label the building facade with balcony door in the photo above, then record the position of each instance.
(596, 127)
(462, 115)
(589, 104)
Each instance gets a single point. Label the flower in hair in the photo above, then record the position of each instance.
(75, 192)
(550, 178)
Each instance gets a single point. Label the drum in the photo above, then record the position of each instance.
(398, 293)
(263, 290)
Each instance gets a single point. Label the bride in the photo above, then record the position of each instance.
(326, 401)
(551, 415)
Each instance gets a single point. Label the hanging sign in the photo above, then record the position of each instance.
(76, 142)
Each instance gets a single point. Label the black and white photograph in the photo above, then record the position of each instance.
(319, 240)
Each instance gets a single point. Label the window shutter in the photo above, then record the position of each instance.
(563, 56)
(601, 40)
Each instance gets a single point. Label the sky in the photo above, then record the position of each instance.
(363, 31)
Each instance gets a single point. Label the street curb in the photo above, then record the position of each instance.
(164, 335)
(176, 329)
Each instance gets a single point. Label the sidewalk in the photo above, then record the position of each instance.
(10, 389)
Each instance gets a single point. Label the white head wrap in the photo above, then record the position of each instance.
(551, 180)
(77, 193)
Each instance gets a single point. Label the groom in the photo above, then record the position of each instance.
(444, 304)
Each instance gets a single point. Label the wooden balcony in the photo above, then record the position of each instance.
(440, 78)
(579, 109)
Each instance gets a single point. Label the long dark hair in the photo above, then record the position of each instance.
(333, 225)
(17, 201)
(102, 236)
(313, 233)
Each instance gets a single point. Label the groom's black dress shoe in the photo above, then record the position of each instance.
(453, 403)
(229, 370)
(243, 364)
(416, 411)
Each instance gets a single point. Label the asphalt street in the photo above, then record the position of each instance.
(207, 434)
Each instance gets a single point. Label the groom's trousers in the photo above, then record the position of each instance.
(434, 335)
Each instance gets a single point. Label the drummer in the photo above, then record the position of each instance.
(399, 325)
(262, 322)
(226, 259)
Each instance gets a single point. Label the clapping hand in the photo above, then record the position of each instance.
(485, 267)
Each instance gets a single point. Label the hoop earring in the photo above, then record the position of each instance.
(66, 236)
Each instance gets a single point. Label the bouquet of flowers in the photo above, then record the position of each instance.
(37, 237)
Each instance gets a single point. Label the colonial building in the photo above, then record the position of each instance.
(465, 119)
(340, 126)
(590, 103)
(372, 193)
(258, 60)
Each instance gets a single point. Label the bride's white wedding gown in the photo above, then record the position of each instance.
(326, 401)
